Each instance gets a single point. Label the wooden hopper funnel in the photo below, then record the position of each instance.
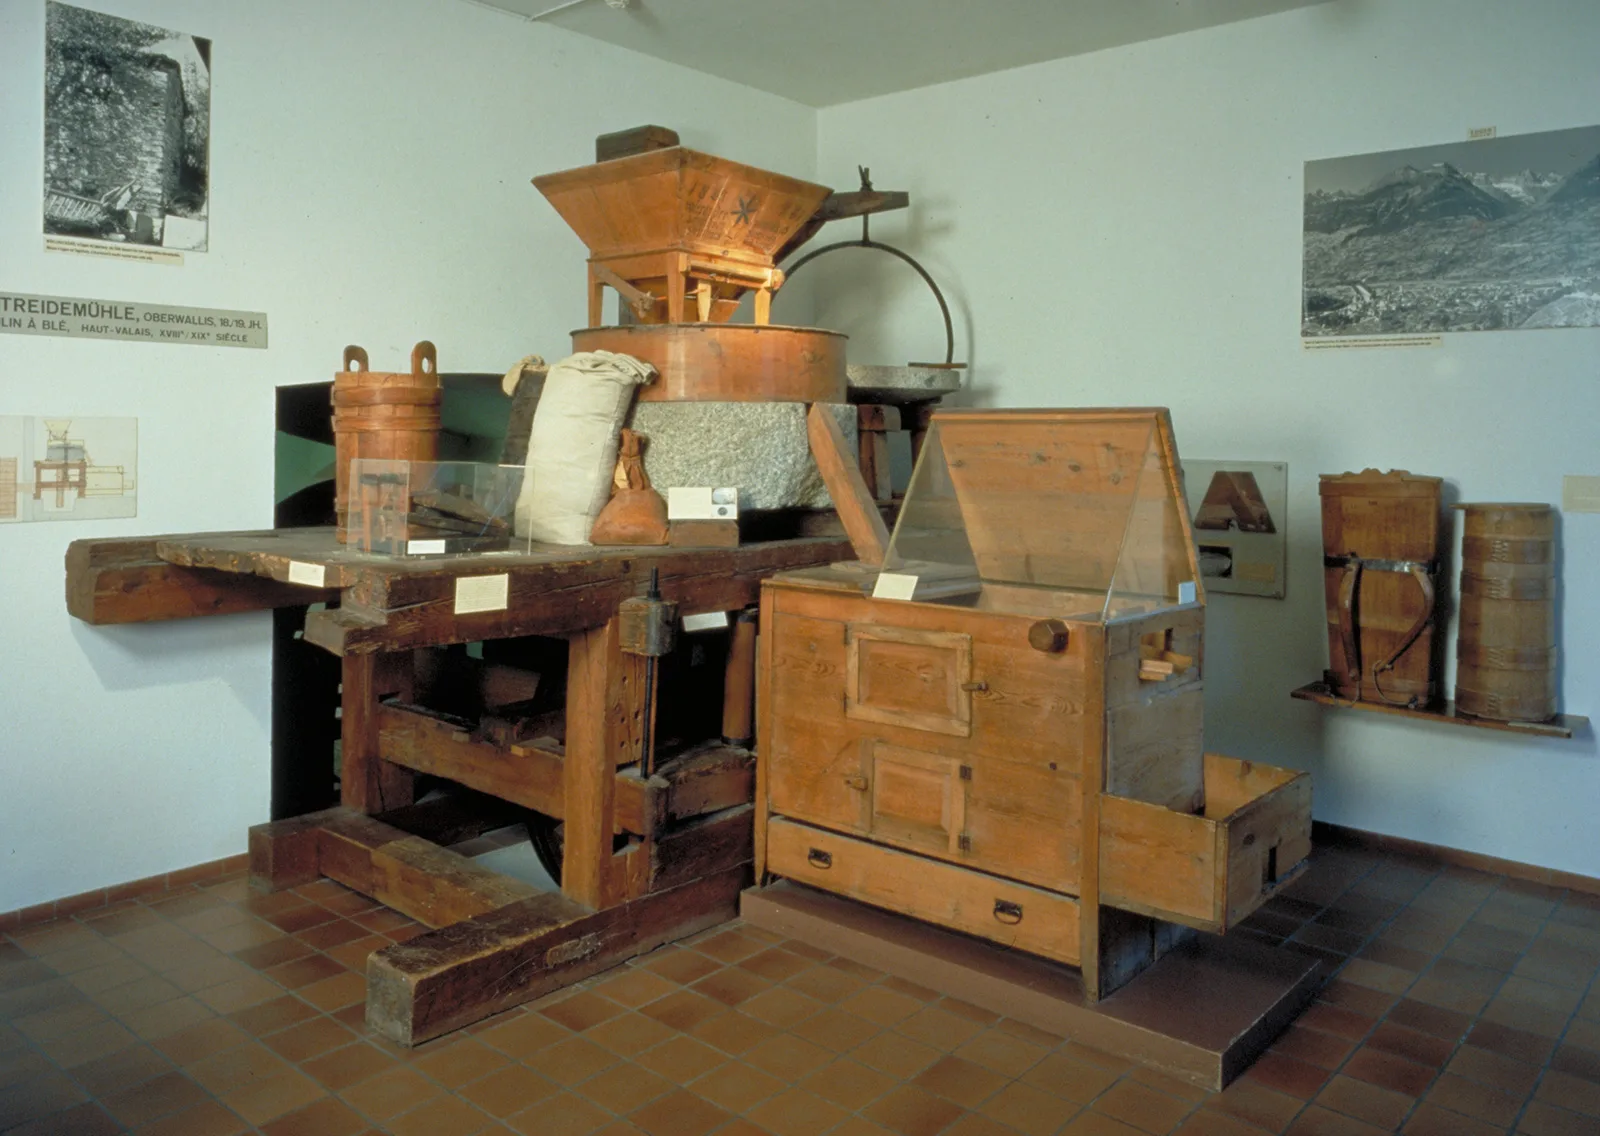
(669, 224)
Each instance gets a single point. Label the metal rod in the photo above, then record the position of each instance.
(867, 242)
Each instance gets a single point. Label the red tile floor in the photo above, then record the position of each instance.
(1463, 1003)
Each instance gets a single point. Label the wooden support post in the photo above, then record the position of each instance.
(842, 475)
(597, 298)
(873, 425)
(604, 723)
(677, 285)
(920, 417)
(763, 312)
(702, 301)
(368, 784)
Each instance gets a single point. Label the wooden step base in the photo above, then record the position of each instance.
(1202, 1013)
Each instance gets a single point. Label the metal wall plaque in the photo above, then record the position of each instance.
(23, 314)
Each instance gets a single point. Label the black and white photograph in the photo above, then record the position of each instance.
(1488, 235)
(127, 125)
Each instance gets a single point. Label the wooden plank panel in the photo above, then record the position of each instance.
(1023, 755)
(1044, 923)
(1155, 860)
(460, 974)
(1154, 749)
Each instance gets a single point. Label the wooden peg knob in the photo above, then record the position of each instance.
(1048, 635)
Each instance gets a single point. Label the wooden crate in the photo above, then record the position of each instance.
(1017, 753)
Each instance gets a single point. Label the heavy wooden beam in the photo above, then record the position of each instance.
(529, 775)
(413, 876)
(124, 581)
(389, 611)
(457, 975)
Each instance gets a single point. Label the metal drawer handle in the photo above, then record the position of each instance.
(817, 858)
(1007, 912)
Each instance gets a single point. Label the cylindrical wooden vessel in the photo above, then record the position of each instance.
(722, 362)
(383, 414)
(1506, 646)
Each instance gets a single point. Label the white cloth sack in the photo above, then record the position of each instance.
(572, 446)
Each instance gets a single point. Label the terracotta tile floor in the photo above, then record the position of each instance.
(1462, 1004)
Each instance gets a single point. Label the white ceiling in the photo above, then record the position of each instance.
(824, 52)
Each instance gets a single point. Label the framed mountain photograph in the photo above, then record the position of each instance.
(1471, 236)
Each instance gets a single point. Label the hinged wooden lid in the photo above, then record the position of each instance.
(1372, 483)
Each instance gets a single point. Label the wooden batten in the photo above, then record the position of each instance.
(841, 473)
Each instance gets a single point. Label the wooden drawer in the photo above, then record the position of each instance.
(1207, 870)
(1009, 913)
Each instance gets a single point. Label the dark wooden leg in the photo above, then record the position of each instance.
(604, 723)
(368, 784)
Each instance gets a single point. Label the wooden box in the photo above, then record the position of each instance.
(1381, 547)
(1017, 748)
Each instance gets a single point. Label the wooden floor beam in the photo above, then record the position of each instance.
(457, 975)
(124, 581)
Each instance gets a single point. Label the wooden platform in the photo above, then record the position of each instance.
(1561, 726)
(1202, 1013)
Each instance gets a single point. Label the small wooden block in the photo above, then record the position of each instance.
(703, 534)
(635, 140)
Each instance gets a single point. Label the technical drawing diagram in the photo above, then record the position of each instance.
(68, 469)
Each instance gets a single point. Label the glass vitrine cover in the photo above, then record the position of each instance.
(407, 508)
(1064, 512)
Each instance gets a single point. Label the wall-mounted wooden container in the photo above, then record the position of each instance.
(1381, 540)
(1506, 645)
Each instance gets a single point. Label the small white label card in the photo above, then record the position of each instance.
(894, 586)
(424, 547)
(311, 575)
(482, 593)
(705, 621)
(1186, 592)
(702, 503)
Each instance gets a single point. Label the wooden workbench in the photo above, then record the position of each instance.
(645, 860)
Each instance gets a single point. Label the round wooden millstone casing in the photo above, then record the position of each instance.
(721, 362)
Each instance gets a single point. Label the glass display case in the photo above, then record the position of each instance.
(414, 508)
(1077, 514)
(1001, 731)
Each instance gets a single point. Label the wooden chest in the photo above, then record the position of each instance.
(1019, 748)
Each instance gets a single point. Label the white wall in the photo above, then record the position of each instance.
(1124, 229)
(370, 184)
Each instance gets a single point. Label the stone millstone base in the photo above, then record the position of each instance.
(900, 386)
(1202, 1012)
(761, 448)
